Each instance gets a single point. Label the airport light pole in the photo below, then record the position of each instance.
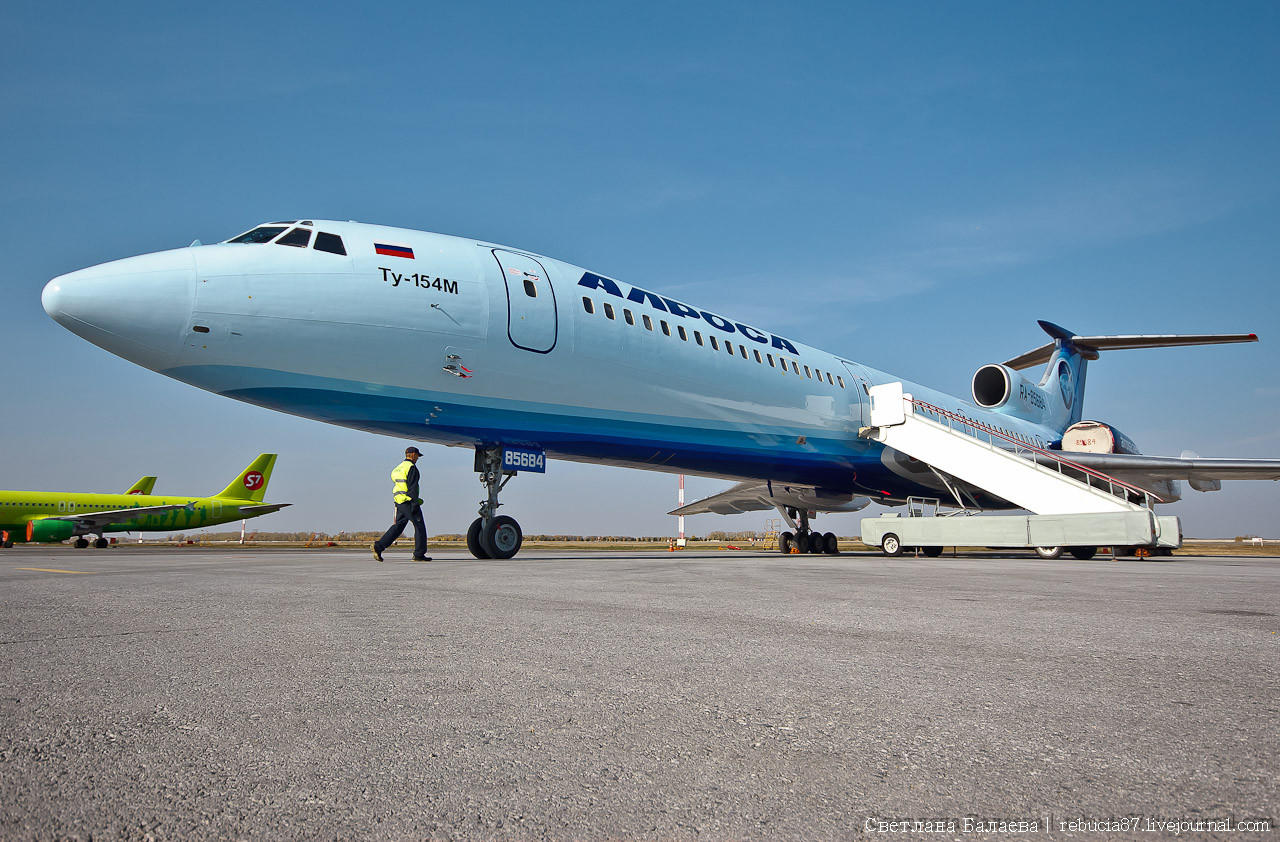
(680, 518)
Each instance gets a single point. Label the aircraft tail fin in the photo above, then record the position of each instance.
(142, 486)
(251, 484)
(1067, 357)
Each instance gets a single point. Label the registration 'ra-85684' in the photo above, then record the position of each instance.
(419, 280)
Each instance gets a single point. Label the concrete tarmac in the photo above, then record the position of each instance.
(188, 693)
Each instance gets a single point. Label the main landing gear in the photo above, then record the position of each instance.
(99, 543)
(804, 539)
(492, 535)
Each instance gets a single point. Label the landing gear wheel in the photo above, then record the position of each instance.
(1084, 553)
(501, 537)
(817, 546)
(473, 539)
(101, 544)
(8, 545)
(81, 543)
(931, 552)
(1049, 552)
(890, 545)
(830, 544)
(786, 540)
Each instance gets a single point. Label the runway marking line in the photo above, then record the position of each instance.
(51, 570)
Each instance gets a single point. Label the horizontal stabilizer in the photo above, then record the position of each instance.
(1089, 346)
(264, 509)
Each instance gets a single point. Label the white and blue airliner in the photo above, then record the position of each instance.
(454, 341)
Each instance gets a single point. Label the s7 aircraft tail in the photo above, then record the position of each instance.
(251, 484)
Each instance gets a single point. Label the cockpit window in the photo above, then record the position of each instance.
(331, 243)
(261, 234)
(298, 237)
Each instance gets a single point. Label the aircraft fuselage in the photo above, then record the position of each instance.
(449, 340)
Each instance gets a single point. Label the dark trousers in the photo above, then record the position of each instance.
(406, 513)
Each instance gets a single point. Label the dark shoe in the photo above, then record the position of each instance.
(377, 553)
(421, 558)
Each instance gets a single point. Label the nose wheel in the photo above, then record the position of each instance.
(492, 535)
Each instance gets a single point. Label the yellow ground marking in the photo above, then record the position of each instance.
(51, 570)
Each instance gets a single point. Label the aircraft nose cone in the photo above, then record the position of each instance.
(136, 308)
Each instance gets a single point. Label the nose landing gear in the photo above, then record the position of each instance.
(492, 535)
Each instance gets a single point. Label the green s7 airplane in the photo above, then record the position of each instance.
(49, 516)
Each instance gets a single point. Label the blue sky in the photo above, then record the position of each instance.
(909, 185)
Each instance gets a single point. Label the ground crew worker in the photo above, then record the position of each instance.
(408, 508)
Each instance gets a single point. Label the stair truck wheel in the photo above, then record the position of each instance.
(1049, 552)
(931, 552)
(890, 544)
(1084, 553)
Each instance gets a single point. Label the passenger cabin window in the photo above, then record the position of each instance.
(262, 234)
(648, 323)
(331, 243)
(697, 336)
(715, 346)
(608, 310)
(684, 337)
(298, 238)
(529, 288)
(588, 305)
(626, 314)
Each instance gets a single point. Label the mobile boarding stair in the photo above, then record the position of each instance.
(1073, 506)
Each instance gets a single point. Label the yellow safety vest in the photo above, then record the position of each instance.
(400, 476)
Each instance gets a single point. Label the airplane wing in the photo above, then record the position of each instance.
(1137, 468)
(93, 520)
(755, 496)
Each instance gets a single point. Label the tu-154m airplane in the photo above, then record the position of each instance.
(51, 516)
(523, 357)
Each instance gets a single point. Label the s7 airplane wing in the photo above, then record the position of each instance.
(95, 520)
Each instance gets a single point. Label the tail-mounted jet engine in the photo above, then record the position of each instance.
(996, 386)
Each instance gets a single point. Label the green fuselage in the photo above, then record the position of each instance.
(19, 507)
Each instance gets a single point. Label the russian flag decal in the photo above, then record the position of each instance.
(393, 250)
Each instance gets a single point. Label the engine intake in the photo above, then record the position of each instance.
(993, 385)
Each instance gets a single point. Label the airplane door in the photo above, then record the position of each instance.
(531, 302)
(860, 404)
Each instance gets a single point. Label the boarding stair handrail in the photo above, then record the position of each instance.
(1022, 449)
